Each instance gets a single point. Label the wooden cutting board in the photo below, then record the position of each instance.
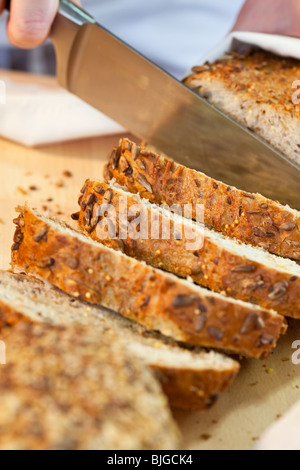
(50, 179)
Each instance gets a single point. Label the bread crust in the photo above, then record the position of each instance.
(57, 393)
(257, 89)
(158, 301)
(186, 388)
(211, 266)
(251, 218)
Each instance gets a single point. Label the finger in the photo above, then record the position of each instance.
(30, 22)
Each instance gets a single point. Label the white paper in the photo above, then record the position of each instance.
(35, 115)
(281, 45)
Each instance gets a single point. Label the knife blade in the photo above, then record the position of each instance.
(105, 72)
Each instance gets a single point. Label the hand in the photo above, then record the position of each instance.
(270, 16)
(30, 21)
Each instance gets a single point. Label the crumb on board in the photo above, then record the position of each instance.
(254, 384)
(1, 221)
(50, 199)
(33, 188)
(67, 174)
(270, 371)
(205, 437)
(59, 184)
(22, 190)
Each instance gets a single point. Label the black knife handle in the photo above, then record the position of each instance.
(7, 5)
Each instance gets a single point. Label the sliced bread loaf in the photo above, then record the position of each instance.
(251, 218)
(63, 389)
(256, 89)
(192, 379)
(159, 301)
(186, 248)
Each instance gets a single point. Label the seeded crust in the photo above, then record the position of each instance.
(62, 389)
(251, 218)
(157, 300)
(256, 90)
(193, 379)
(220, 268)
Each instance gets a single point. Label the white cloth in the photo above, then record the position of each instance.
(35, 115)
(172, 33)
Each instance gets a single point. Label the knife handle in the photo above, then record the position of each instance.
(7, 5)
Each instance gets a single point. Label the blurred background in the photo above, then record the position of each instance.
(172, 33)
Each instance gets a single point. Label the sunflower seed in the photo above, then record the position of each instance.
(42, 233)
(115, 157)
(265, 340)
(288, 227)
(99, 189)
(184, 300)
(250, 268)
(200, 322)
(45, 263)
(253, 322)
(215, 333)
(142, 180)
(278, 290)
(107, 198)
(135, 151)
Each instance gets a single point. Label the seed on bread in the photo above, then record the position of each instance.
(41, 234)
(143, 182)
(278, 290)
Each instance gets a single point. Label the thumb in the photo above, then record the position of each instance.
(30, 22)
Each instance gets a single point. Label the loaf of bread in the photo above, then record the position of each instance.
(188, 249)
(177, 308)
(63, 389)
(251, 218)
(192, 378)
(256, 89)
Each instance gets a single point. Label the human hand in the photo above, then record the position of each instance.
(270, 16)
(30, 21)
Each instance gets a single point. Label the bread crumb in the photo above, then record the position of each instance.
(253, 384)
(1, 222)
(59, 184)
(270, 371)
(22, 190)
(205, 437)
(67, 174)
(33, 188)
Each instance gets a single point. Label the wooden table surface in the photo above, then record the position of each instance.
(263, 391)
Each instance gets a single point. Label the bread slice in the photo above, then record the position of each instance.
(256, 89)
(63, 389)
(192, 379)
(251, 218)
(159, 301)
(186, 248)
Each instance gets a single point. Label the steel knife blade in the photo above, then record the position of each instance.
(117, 80)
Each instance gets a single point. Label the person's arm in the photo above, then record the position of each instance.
(270, 16)
(30, 21)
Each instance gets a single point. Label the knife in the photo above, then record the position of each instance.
(105, 72)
